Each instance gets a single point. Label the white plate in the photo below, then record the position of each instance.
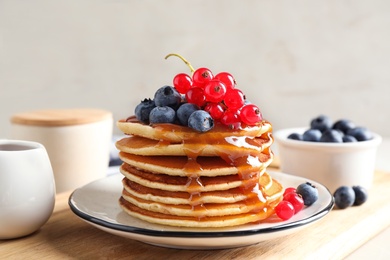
(97, 204)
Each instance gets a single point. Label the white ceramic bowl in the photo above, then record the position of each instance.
(332, 164)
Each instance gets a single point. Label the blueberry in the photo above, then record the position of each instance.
(200, 121)
(349, 139)
(167, 96)
(184, 112)
(142, 110)
(295, 136)
(321, 123)
(360, 133)
(162, 115)
(331, 136)
(343, 125)
(344, 197)
(361, 195)
(311, 135)
(308, 192)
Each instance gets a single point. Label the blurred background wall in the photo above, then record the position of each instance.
(295, 59)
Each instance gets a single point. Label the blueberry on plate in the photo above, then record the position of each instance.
(162, 115)
(331, 136)
(361, 195)
(344, 197)
(321, 123)
(360, 133)
(311, 135)
(167, 96)
(343, 125)
(308, 192)
(200, 121)
(295, 136)
(184, 112)
(142, 110)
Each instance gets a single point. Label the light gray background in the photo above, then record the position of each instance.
(295, 59)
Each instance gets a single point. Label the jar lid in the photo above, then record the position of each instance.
(60, 117)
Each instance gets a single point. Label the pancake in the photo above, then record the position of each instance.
(181, 195)
(200, 220)
(176, 176)
(177, 133)
(180, 183)
(142, 146)
(202, 166)
(195, 222)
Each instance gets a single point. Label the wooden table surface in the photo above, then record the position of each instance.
(65, 236)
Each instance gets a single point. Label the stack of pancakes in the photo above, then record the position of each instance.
(178, 177)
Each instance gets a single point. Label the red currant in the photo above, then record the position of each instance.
(295, 199)
(231, 118)
(234, 99)
(227, 79)
(214, 91)
(215, 110)
(250, 114)
(284, 210)
(196, 96)
(182, 83)
(288, 190)
(201, 76)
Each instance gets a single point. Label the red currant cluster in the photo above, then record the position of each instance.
(291, 204)
(218, 96)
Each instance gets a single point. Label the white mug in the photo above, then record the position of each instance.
(27, 188)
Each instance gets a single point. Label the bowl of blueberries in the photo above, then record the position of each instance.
(334, 153)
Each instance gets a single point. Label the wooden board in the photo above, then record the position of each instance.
(65, 236)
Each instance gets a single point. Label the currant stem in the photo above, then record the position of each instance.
(183, 59)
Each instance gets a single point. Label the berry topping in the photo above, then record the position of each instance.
(214, 91)
(227, 79)
(196, 96)
(200, 121)
(234, 99)
(217, 97)
(308, 192)
(250, 114)
(142, 110)
(167, 96)
(361, 195)
(284, 210)
(215, 110)
(162, 115)
(231, 119)
(182, 83)
(201, 77)
(184, 112)
(344, 197)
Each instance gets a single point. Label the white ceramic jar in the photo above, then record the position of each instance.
(27, 189)
(77, 141)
